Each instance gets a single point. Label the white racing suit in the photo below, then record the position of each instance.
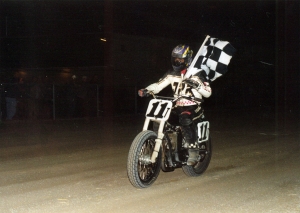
(187, 110)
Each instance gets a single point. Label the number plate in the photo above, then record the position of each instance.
(159, 109)
(203, 131)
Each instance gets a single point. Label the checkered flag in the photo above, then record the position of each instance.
(213, 58)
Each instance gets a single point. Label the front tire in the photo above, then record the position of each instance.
(204, 160)
(140, 170)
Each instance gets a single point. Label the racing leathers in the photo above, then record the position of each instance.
(187, 110)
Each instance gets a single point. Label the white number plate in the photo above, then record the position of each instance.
(159, 109)
(203, 131)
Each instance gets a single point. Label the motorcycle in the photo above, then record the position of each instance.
(163, 147)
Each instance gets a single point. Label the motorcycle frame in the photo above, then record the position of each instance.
(159, 111)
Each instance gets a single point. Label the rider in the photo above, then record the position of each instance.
(196, 86)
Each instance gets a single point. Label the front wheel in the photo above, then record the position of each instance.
(140, 170)
(205, 153)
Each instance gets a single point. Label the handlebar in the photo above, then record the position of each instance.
(175, 98)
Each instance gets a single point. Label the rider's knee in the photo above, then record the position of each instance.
(185, 119)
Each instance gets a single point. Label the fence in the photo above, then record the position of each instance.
(57, 101)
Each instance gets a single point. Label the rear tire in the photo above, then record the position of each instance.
(140, 170)
(201, 166)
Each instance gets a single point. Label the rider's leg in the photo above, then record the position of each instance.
(186, 122)
(188, 132)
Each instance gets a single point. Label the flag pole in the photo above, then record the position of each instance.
(196, 57)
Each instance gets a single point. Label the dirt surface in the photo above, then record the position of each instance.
(80, 166)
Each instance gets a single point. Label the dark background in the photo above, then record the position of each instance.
(55, 33)
(264, 73)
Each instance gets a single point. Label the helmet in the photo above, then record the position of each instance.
(181, 51)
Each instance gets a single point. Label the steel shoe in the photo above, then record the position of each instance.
(193, 157)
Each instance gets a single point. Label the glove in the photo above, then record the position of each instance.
(192, 83)
(143, 93)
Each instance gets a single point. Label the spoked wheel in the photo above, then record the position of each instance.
(205, 153)
(140, 170)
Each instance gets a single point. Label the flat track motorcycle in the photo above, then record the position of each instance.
(164, 148)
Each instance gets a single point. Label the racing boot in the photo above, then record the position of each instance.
(193, 157)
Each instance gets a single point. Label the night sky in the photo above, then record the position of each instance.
(43, 34)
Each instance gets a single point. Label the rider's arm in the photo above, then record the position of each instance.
(157, 87)
(204, 88)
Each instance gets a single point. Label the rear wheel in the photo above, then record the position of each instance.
(140, 170)
(205, 153)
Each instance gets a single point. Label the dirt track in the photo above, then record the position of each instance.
(80, 166)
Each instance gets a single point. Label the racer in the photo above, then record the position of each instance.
(195, 86)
